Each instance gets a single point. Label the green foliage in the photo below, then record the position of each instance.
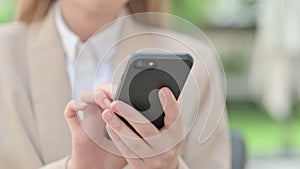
(235, 64)
(7, 9)
(264, 136)
(192, 10)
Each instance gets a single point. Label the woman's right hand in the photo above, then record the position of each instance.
(86, 154)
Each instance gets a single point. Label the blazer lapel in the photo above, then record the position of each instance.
(50, 89)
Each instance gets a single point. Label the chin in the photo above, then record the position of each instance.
(100, 5)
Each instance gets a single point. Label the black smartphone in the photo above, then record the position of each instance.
(147, 72)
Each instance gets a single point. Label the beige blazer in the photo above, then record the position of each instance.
(34, 90)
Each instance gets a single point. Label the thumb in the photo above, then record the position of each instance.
(71, 115)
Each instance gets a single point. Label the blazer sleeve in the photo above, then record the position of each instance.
(19, 139)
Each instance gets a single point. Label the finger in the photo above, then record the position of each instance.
(71, 114)
(166, 159)
(122, 147)
(131, 139)
(140, 123)
(130, 156)
(170, 105)
(106, 88)
(102, 99)
(99, 97)
(117, 124)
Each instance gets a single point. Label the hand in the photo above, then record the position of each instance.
(138, 151)
(86, 154)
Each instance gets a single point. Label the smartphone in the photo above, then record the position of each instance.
(147, 72)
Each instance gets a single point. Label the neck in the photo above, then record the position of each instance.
(85, 23)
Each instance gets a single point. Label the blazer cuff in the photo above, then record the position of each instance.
(61, 164)
(182, 164)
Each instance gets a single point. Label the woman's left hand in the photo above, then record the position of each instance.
(142, 152)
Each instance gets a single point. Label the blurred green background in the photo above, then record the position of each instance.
(234, 23)
(7, 9)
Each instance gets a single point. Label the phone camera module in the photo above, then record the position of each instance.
(145, 64)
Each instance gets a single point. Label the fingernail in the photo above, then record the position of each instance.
(107, 102)
(109, 116)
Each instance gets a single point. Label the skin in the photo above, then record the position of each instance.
(86, 154)
(119, 131)
(84, 17)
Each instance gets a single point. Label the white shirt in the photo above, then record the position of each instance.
(82, 59)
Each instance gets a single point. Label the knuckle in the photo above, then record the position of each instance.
(147, 132)
(71, 104)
